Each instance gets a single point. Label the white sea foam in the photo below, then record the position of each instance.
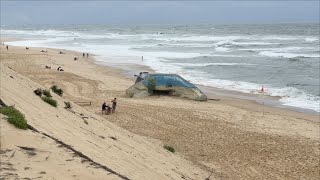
(193, 38)
(222, 49)
(211, 64)
(283, 49)
(289, 96)
(286, 55)
(311, 39)
(284, 38)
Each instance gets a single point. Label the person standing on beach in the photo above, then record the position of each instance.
(83, 55)
(114, 105)
(104, 108)
(87, 55)
(7, 47)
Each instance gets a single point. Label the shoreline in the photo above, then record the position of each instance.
(214, 135)
(263, 103)
(129, 69)
(268, 103)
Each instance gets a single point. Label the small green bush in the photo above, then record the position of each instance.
(131, 95)
(67, 105)
(46, 93)
(15, 117)
(38, 92)
(50, 101)
(151, 85)
(57, 90)
(169, 148)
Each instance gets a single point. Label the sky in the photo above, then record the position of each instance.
(25, 12)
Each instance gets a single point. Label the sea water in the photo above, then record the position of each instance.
(284, 58)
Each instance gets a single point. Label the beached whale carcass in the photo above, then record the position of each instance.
(167, 84)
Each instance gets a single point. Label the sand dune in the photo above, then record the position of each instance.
(229, 140)
(127, 154)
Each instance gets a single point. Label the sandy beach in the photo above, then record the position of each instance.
(232, 138)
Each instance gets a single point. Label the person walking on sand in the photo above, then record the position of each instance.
(83, 55)
(7, 47)
(114, 105)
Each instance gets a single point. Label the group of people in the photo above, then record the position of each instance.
(83, 55)
(107, 109)
(59, 69)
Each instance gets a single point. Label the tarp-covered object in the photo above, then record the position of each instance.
(172, 84)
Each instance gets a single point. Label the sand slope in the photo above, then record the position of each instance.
(49, 160)
(127, 154)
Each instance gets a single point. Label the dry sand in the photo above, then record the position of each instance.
(231, 137)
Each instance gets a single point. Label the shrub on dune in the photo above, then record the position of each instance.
(50, 101)
(67, 105)
(57, 90)
(38, 92)
(169, 148)
(46, 93)
(15, 117)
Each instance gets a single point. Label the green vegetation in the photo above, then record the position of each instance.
(46, 93)
(15, 117)
(151, 85)
(38, 92)
(57, 90)
(86, 122)
(50, 101)
(131, 94)
(169, 148)
(67, 105)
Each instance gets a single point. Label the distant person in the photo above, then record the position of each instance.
(142, 58)
(108, 109)
(87, 55)
(83, 55)
(104, 108)
(7, 47)
(114, 105)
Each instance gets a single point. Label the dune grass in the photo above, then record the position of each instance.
(50, 101)
(57, 90)
(46, 93)
(169, 148)
(67, 105)
(38, 92)
(15, 117)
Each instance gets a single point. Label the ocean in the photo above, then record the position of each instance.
(283, 58)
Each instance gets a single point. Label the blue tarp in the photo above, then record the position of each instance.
(168, 80)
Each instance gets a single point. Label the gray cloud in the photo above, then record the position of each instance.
(157, 12)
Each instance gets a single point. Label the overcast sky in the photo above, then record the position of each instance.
(157, 12)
